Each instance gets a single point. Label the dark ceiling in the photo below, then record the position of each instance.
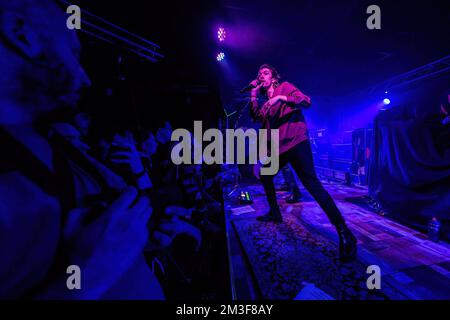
(322, 44)
(325, 45)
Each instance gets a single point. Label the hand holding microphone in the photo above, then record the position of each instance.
(254, 86)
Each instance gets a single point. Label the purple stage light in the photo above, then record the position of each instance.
(221, 34)
(220, 56)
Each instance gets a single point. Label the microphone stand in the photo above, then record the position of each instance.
(237, 175)
(241, 112)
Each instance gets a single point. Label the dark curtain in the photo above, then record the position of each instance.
(409, 171)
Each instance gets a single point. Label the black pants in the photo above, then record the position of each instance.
(290, 181)
(301, 159)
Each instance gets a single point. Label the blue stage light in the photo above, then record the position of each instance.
(220, 56)
(386, 101)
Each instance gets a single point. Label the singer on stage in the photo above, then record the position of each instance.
(283, 111)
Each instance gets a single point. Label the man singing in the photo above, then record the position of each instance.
(282, 111)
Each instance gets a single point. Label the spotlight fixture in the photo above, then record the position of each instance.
(221, 34)
(220, 56)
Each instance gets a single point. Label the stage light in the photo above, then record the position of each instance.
(221, 34)
(386, 101)
(220, 56)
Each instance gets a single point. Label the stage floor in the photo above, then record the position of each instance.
(277, 261)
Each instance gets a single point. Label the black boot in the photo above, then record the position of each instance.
(347, 244)
(272, 216)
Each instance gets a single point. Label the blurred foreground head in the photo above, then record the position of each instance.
(39, 59)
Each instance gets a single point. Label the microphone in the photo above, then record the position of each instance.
(249, 87)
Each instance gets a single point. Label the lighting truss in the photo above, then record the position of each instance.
(424, 72)
(101, 29)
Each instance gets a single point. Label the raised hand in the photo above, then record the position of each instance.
(106, 248)
(126, 154)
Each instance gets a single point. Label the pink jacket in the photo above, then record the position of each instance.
(287, 116)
